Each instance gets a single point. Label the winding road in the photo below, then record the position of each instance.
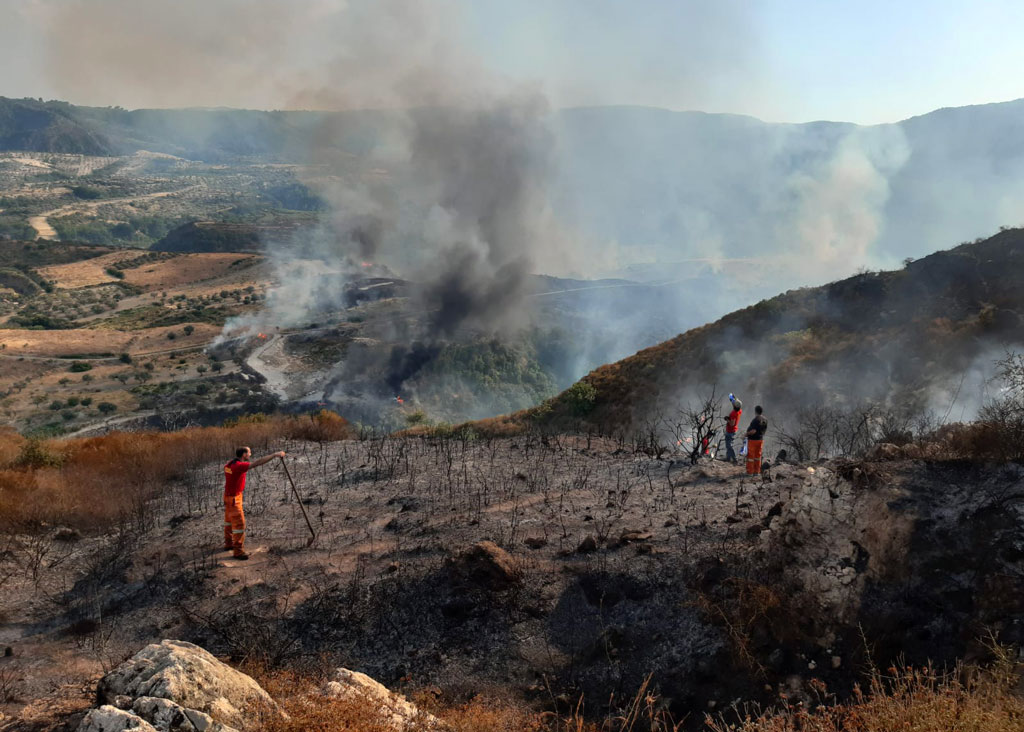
(44, 230)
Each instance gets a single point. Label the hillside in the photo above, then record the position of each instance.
(914, 339)
(551, 576)
(197, 134)
(212, 236)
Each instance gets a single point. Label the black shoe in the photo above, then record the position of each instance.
(243, 556)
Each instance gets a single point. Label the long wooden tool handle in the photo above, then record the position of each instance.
(298, 498)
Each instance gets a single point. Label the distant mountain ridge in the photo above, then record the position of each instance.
(737, 208)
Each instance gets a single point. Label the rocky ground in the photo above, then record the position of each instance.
(539, 568)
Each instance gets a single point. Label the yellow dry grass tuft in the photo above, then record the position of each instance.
(90, 482)
(911, 698)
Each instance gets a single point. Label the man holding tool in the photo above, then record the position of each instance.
(234, 485)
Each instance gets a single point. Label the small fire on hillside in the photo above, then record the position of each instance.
(262, 336)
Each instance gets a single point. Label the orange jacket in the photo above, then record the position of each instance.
(732, 422)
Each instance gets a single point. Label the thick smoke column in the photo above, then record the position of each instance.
(483, 172)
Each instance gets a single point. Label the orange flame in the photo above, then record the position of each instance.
(367, 264)
(399, 400)
(263, 336)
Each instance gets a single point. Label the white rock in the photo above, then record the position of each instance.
(166, 715)
(402, 714)
(192, 678)
(112, 719)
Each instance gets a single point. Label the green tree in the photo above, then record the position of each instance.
(581, 397)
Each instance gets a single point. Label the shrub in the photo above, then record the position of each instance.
(321, 426)
(125, 358)
(580, 397)
(37, 454)
(56, 404)
(79, 366)
(107, 407)
(88, 193)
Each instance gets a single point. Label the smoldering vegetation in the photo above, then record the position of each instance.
(920, 344)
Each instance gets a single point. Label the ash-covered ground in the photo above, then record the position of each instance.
(605, 566)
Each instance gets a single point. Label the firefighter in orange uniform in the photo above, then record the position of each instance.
(755, 441)
(234, 486)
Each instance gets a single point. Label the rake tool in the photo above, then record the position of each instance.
(298, 498)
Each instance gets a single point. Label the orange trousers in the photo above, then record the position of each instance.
(754, 456)
(234, 524)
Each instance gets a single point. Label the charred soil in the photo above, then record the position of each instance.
(536, 568)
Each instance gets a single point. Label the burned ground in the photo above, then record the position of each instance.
(604, 567)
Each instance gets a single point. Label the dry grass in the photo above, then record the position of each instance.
(89, 482)
(64, 343)
(86, 272)
(311, 711)
(10, 445)
(919, 699)
(185, 269)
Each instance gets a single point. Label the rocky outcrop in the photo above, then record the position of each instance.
(835, 538)
(173, 686)
(178, 686)
(399, 713)
(111, 719)
(166, 715)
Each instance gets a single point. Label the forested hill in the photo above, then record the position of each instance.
(927, 335)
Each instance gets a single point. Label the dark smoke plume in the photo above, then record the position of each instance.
(485, 173)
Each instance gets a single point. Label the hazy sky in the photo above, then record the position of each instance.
(781, 60)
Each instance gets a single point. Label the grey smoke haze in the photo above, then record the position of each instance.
(481, 174)
(473, 182)
(807, 203)
(299, 54)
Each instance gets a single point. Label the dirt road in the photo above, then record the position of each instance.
(44, 230)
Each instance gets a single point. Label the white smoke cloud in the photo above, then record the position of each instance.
(839, 208)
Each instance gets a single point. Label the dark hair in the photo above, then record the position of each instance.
(758, 409)
(240, 452)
